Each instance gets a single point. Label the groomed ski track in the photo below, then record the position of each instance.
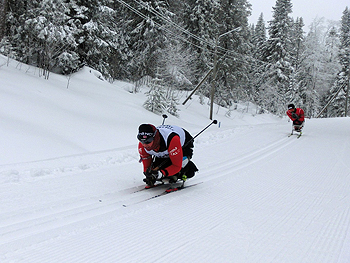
(265, 197)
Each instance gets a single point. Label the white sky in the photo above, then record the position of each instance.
(307, 9)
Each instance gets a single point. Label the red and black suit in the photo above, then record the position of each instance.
(171, 143)
(296, 115)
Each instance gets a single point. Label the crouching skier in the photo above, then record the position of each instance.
(297, 116)
(165, 152)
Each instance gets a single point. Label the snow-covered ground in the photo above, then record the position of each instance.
(69, 171)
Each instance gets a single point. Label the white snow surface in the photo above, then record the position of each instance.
(69, 171)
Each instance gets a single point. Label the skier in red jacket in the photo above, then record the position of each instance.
(297, 116)
(165, 152)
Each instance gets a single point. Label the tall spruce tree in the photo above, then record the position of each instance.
(259, 38)
(101, 43)
(199, 20)
(300, 92)
(146, 36)
(233, 47)
(340, 106)
(278, 55)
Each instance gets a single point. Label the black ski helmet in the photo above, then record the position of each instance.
(146, 133)
(291, 106)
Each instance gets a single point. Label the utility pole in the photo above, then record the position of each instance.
(199, 84)
(212, 92)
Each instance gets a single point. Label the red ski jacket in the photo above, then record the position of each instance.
(298, 112)
(175, 155)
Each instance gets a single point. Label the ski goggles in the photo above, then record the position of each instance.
(145, 137)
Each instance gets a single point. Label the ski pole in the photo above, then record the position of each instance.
(165, 161)
(213, 122)
(164, 117)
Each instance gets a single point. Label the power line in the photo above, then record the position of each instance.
(228, 53)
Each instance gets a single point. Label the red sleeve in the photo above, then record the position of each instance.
(175, 155)
(145, 157)
(300, 113)
(289, 114)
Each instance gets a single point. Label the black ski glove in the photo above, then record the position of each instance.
(150, 172)
(151, 176)
(150, 181)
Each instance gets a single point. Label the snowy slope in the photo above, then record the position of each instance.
(69, 171)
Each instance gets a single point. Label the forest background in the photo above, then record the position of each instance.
(180, 45)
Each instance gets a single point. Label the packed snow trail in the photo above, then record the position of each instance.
(264, 198)
(69, 162)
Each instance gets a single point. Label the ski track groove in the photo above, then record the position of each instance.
(246, 160)
(289, 224)
(331, 236)
(83, 216)
(38, 229)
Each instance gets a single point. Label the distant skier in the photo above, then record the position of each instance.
(297, 116)
(172, 148)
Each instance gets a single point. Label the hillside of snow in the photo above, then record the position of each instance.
(71, 184)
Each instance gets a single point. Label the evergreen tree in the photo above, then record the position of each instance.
(340, 105)
(298, 43)
(101, 43)
(147, 39)
(259, 38)
(302, 92)
(43, 36)
(156, 97)
(199, 20)
(3, 14)
(233, 46)
(278, 55)
(176, 65)
(172, 102)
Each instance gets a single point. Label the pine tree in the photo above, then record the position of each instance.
(176, 65)
(3, 14)
(102, 44)
(340, 105)
(259, 38)
(278, 55)
(300, 92)
(49, 40)
(156, 97)
(233, 47)
(199, 20)
(172, 102)
(146, 36)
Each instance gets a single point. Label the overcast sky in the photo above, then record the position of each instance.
(307, 9)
